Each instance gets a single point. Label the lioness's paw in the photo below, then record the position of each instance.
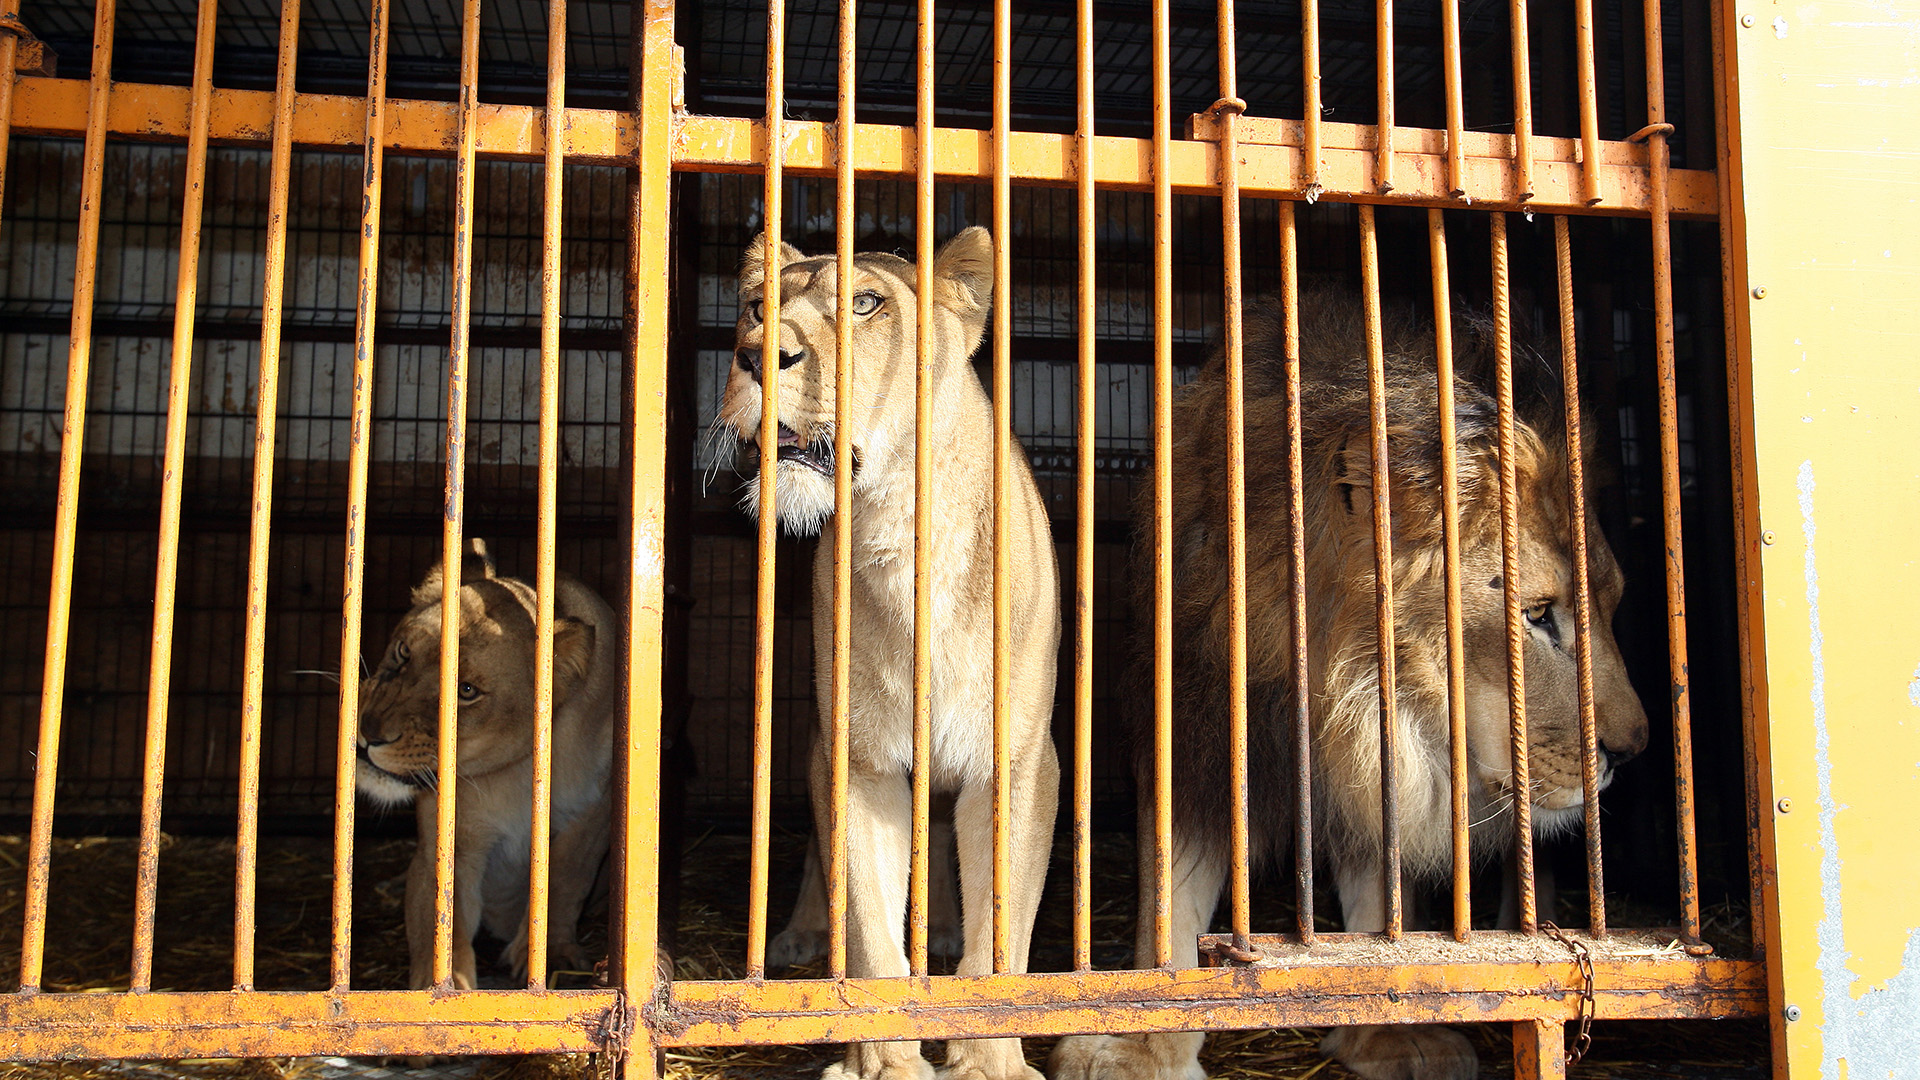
(1403, 1052)
(1123, 1057)
(914, 1069)
(973, 1071)
(791, 948)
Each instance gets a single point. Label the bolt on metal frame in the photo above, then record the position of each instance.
(1226, 154)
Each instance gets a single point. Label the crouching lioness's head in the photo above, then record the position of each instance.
(885, 316)
(400, 702)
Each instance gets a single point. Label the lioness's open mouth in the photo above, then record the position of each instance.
(816, 453)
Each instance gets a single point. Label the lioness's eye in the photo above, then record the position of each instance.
(866, 303)
(757, 310)
(469, 692)
(1539, 613)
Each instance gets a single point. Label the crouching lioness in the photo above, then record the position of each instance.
(882, 405)
(493, 812)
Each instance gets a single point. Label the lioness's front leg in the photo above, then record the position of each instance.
(579, 847)
(469, 869)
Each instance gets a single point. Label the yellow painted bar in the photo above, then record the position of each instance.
(1824, 229)
(1272, 161)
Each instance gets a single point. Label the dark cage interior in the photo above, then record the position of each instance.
(710, 687)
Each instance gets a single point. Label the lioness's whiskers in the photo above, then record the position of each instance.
(331, 676)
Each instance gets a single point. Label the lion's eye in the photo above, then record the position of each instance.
(469, 692)
(757, 310)
(1540, 614)
(866, 303)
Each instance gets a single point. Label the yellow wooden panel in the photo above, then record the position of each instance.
(1826, 194)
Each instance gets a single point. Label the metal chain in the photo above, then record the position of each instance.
(1583, 1037)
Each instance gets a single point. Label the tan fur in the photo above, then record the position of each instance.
(882, 404)
(1343, 689)
(493, 813)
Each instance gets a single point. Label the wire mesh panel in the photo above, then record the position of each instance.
(1341, 592)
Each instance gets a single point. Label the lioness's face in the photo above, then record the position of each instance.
(399, 735)
(1549, 662)
(881, 391)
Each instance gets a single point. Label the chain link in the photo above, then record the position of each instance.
(1583, 1037)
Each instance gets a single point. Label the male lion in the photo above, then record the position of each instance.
(493, 814)
(880, 750)
(1343, 694)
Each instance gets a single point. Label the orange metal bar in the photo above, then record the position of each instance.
(1311, 183)
(1539, 1050)
(1382, 509)
(768, 524)
(453, 516)
(246, 843)
(1450, 529)
(366, 314)
(66, 510)
(1521, 781)
(1162, 495)
(146, 889)
(1656, 132)
(1002, 480)
(1228, 111)
(922, 493)
(1456, 97)
(842, 701)
(1522, 101)
(1590, 191)
(1297, 542)
(1582, 586)
(1087, 436)
(1383, 77)
(636, 969)
(539, 852)
(1271, 159)
(9, 54)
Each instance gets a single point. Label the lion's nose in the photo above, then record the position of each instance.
(1617, 758)
(750, 360)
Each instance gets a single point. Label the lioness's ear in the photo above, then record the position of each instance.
(475, 565)
(963, 281)
(573, 642)
(753, 262)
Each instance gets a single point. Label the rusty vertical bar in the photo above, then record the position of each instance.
(1228, 111)
(1162, 492)
(1582, 586)
(637, 970)
(847, 215)
(246, 843)
(1656, 133)
(1383, 82)
(1382, 511)
(546, 528)
(1539, 1050)
(1002, 479)
(922, 490)
(1085, 433)
(1521, 780)
(453, 512)
(366, 314)
(66, 510)
(1522, 101)
(1297, 576)
(1589, 102)
(1450, 529)
(1456, 97)
(1310, 108)
(167, 550)
(775, 131)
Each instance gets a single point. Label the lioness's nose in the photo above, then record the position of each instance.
(749, 360)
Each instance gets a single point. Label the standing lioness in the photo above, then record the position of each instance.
(882, 403)
(493, 808)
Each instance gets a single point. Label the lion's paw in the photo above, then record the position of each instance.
(791, 948)
(916, 1068)
(1124, 1057)
(1403, 1052)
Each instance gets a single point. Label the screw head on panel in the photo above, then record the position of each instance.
(1766, 537)
(1785, 805)
(1759, 292)
(1746, 20)
(1793, 1012)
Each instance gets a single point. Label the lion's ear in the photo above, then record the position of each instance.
(573, 642)
(753, 262)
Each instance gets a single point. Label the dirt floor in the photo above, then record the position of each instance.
(90, 927)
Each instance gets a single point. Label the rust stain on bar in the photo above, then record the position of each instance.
(1297, 543)
(366, 315)
(246, 844)
(146, 889)
(66, 510)
(1521, 780)
(835, 856)
(1382, 512)
(1085, 437)
(1450, 530)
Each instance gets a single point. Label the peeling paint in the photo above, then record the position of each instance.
(1913, 689)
